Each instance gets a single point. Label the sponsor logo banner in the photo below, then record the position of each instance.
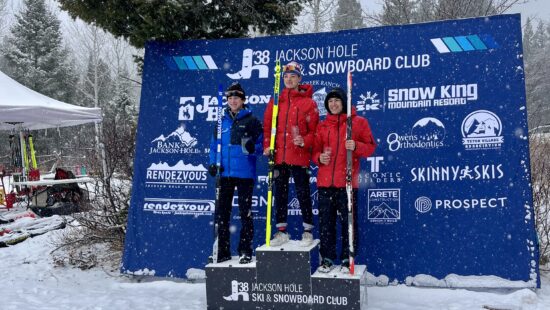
(431, 96)
(466, 43)
(200, 62)
(384, 205)
(208, 104)
(424, 204)
(181, 175)
(457, 173)
(378, 175)
(427, 133)
(369, 102)
(450, 130)
(253, 61)
(164, 206)
(179, 141)
(482, 130)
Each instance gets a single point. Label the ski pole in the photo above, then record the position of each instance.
(349, 187)
(274, 115)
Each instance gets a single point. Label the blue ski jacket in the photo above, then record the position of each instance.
(235, 160)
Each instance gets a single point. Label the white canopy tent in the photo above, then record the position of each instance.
(23, 108)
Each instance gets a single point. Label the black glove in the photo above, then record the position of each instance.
(250, 146)
(213, 170)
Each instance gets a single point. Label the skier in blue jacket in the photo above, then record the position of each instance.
(241, 142)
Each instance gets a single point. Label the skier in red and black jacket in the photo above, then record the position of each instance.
(330, 154)
(296, 124)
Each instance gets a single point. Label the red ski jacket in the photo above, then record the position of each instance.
(297, 112)
(332, 133)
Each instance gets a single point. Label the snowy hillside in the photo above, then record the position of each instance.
(30, 281)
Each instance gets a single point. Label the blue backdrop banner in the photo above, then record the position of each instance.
(447, 191)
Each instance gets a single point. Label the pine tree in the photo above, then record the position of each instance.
(407, 11)
(447, 9)
(348, 15)
(139, 21)
(398, 12)
(528, 38)
(537, 70)
(2, 28)
(425, 10)
(119, 127)
(96, 83)
(540, 38)
(35, 55)
(315, 17)
(2, 18)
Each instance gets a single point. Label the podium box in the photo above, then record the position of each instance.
(347, 291)
(284, 277)
(228, 284)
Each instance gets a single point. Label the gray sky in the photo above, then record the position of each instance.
(536, 9)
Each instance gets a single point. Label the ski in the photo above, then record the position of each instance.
(218, 173)
(23, 228)
(31, 150)
(3, 189)
(13, 216)
(34, 225)
(271, 159)
(349, 187)
(13, 238)
(13, 150)
(25, 160)
(495, 308)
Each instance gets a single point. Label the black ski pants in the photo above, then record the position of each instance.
(301, 182)
(223, 215)
(334, 201)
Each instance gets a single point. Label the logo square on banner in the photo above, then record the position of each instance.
(384, 205)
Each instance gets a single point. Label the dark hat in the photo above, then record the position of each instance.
(292, 67)
(235, 90)
(339, 93)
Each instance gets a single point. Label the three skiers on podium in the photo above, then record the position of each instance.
(299, 139)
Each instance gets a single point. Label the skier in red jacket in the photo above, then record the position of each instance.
(329, 154)
(296, 123)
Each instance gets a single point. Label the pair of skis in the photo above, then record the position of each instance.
(349, 185)
(20, 155)
(271, 158)
(218, 172)
(24, 149)
(13, 230)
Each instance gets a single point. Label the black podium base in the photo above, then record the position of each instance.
(341, 290)
(228, 284)
(283, 277)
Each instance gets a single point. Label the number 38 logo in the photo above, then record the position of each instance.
(261, 57)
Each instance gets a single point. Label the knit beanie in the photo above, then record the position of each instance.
(235, 90)
(339, 93)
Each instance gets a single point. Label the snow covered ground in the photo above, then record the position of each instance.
(29, 280)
